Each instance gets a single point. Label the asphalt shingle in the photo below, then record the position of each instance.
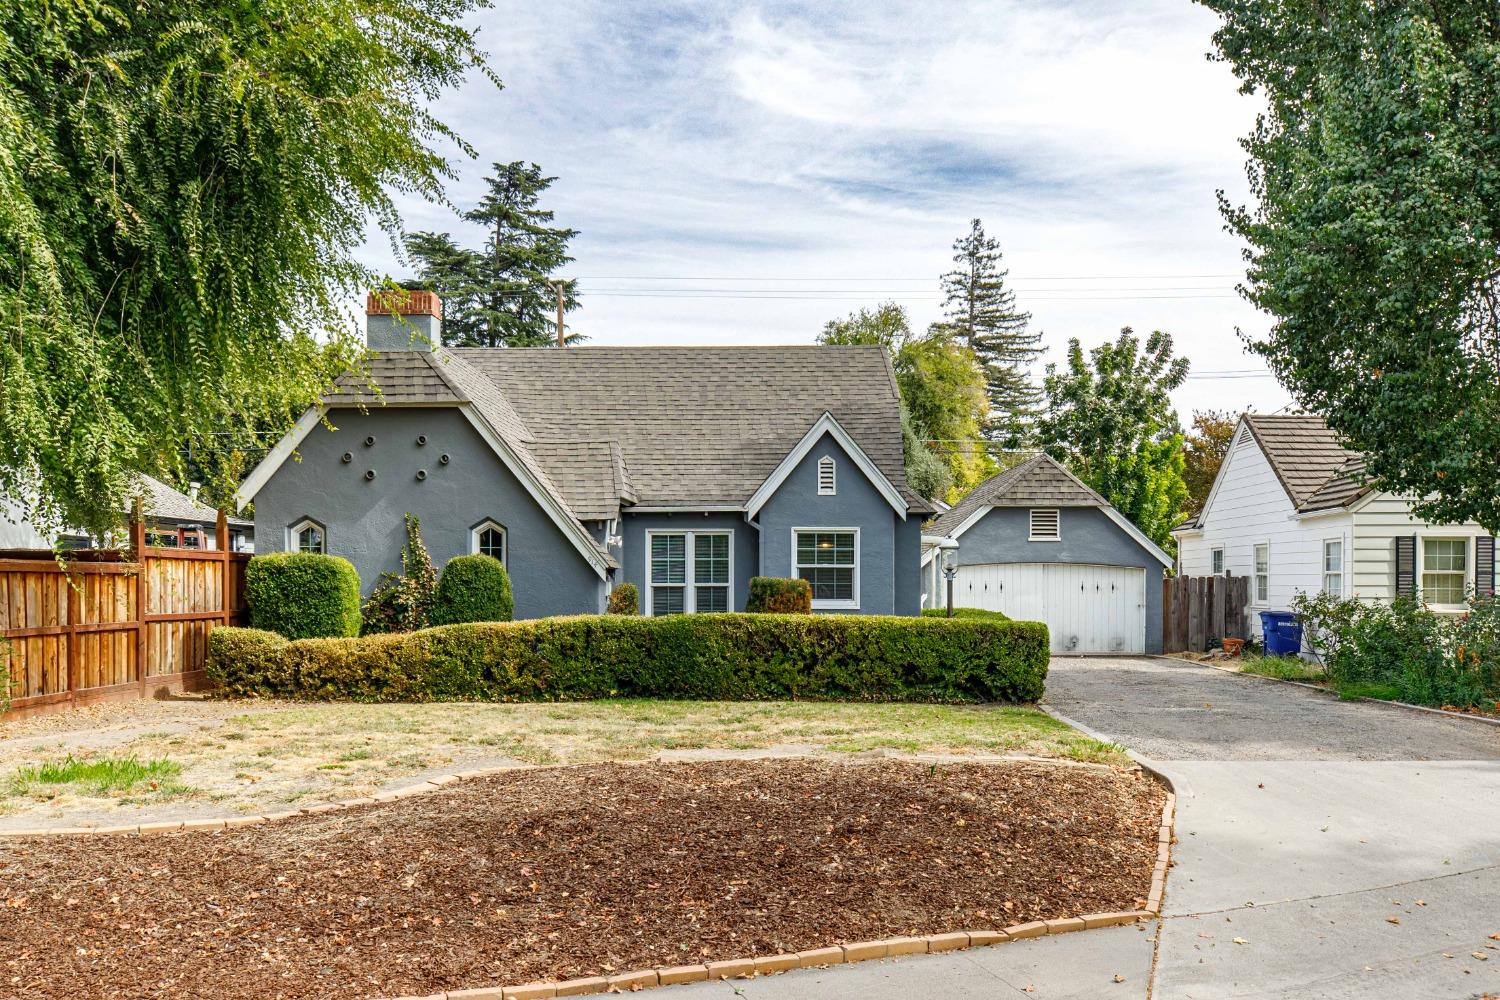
(1037, 482)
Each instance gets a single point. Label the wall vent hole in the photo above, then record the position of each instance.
(347, 457)
(421, 474)
(369, 440)
(369, 474)
(421, 440)
(445, 458)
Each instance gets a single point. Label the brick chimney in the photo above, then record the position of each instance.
(398, 320)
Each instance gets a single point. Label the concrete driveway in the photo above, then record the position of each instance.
(1326, 849)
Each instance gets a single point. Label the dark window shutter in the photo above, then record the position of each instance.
(1406, 566)
(1484, 565)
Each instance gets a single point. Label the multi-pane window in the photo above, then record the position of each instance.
(689, 572)
(307, 536)
(488, 539)
(1333, 567)
(1217, 555)
(1262, 573)
(1044, 526)
(829, 560)
(1445, 570)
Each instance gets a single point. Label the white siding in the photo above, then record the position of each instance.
(1378, 520)
(18, 533)
(1249, 507)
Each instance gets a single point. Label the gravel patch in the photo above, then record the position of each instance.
(1173, 710)
(559, 872)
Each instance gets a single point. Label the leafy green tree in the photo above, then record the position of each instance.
(982, 312)
(182, 187)
(1204, 449)
(942, 396)
(1109, 418)
(1374, 240)
(502, 295)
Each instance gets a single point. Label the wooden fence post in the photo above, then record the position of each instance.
(138, 551)
(221, 532)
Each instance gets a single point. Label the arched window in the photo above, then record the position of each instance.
(308, 536)
(827, 477)
(487, 538)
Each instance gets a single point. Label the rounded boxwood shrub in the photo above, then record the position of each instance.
(303, 595)
(624, 600)
(779, 595)
(473, 589)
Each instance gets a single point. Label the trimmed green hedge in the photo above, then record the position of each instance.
(972, 613)
(473, 589)
(779, 595)
(303, 595)
(720, 656)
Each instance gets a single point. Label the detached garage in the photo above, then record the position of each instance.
(1037, 544)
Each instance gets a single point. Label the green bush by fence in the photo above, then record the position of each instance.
(303, 595)
(1405, 651)
(473, 589)
(624, 600)
(779, 595)
(720, 656)
(975, 613)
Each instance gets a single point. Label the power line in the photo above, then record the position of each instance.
(1068, 277)
(865, 297)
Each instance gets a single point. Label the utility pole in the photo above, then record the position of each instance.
(559, 288)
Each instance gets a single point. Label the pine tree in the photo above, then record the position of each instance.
(502, 295)
(982, 311)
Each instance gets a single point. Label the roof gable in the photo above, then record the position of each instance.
(825, 425)
(1040, 481)
(1303, 452)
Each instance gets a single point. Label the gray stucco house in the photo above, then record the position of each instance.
(683, 470)
(1037, 544)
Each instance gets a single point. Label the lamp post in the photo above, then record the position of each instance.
(950, 572)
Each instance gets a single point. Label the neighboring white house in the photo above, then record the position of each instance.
(1290, 510)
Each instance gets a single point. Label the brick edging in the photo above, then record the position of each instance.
(859, 951)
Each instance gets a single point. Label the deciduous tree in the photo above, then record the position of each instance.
(182, 188)
(1374, 231)
(1109, 418)
(1204, 449)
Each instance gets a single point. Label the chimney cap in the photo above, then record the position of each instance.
(403, 302)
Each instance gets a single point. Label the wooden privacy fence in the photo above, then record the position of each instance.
(1198, 611)
(103, 627)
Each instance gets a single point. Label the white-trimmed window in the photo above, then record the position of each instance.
(307, 536)
(1333, 567)
(1044, 525)
(827, 476)
(828, 558)
(1445, 571)
(689, 571)
(1262, 573)
(1216, 558)
(487, 538)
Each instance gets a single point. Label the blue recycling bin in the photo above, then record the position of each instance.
(1282, 632)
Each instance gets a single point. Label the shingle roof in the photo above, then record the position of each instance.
(702, 425)
(1307, 458)
(394, 377)
(1346, 486)
(1037, 482)
(591, 475)
(162, 502)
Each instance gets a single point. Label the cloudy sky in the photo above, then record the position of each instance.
(741, 173)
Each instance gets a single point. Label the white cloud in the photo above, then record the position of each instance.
(722, 142)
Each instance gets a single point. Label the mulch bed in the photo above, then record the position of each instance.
(555, 873)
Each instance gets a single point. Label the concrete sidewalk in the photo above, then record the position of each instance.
(1326, 849)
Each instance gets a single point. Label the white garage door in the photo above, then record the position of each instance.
(1088, 609)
